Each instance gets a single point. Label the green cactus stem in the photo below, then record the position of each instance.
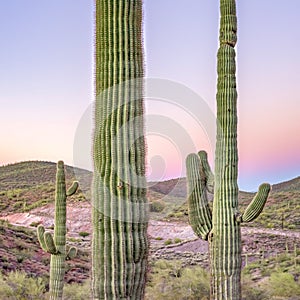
(208, 175)
(223, 230)
(72, 252)
(199, 212)
(56, 245)
(257, 204)
(119, 211)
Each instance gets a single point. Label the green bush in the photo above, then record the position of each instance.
(283, 285)
(18, 286)
(169, 280)
(38, 203)
(168, 242)
(35, 224)
(74, 240)
(177, 240)
(83, 233)
(179, 214)
(157, 206)
(77, 291)
(20, 258)
(250, 291)
(17, 205)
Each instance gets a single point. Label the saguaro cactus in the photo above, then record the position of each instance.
(56, 245)
(221, 226)
(119, 213)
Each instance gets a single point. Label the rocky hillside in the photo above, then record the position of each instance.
(29, 185)
(27, 199)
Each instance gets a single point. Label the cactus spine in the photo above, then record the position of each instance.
(56, 245)
(221, 226)
(119, 213)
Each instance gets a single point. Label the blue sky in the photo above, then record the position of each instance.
(46, 81)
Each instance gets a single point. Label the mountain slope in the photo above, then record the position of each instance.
(29, 185)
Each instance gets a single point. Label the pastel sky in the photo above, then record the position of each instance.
(46, 84)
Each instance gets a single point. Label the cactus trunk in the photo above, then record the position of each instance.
(225, 245)
(57, 263)
(222, 230)
(56, 245)
(120, 212)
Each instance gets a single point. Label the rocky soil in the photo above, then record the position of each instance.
(182, 242)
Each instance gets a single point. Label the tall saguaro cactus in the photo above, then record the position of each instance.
(221, 226)
(56, 245)
(119, 216)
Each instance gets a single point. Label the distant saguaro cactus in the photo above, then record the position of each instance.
(56, 245)
(221, 225)
(120, 211)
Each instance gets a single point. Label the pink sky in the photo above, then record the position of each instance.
(47, 87)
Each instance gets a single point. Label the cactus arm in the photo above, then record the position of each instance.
(209, 176)
(73, 188)
(46, 240)
(71, 253)
(41, 238)
(199, 212)
(257, 204)
(50, 245)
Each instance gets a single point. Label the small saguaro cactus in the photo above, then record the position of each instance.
(56, 245)
(221, 224)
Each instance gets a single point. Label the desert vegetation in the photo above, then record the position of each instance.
(267, 256)
(126, 254)
(171, 279)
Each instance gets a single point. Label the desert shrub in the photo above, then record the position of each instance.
(18, 205)
(74, 240)
(35, 224)
(250, 290)
(168, 242)
(171, 281)
(5, 289)
(83, 233)
(3, 206)
(18, 286)
(38, 203)
(157, 206)
(283, 285)
(77, 291)
(251, 267)
(179, 214)
(283, 258)
(177, 240)
(20, 258)
(45, 260)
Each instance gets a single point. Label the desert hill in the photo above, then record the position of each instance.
(27, 199)
(28, 185)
